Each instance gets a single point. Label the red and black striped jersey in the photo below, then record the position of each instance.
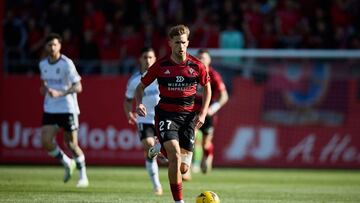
(217, 85)
(177, 82)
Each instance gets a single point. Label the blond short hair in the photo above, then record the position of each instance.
(178, 30)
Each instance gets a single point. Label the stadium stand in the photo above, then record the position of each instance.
(115, 30)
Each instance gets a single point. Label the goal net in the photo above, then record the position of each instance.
(300, 87)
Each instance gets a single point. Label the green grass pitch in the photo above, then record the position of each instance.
(131, 185)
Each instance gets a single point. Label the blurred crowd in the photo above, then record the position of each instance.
(106, 36)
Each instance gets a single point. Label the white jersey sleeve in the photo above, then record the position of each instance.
(74, 76)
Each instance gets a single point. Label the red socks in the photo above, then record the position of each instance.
(209, 150)
(176, 190)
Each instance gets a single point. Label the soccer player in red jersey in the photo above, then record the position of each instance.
(219, 97)
(176, 116)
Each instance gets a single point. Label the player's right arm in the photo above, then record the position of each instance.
(43, 87)
(139, 93)
(147, 78)
(129, 99)
(130, 115)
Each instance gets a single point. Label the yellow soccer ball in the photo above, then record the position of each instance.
(208, 197)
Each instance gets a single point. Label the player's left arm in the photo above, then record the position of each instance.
(75, 88)
(75, 78)
(221, 101)
(217, 85)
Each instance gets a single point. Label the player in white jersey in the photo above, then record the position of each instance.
(60, 85)
(145, 124)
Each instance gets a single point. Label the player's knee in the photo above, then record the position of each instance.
(46, 144)
(185, 162)
(46, 141)
(72, 146)
(184, 168)
(148, 142)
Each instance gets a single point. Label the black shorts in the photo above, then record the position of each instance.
(174, 125)
(208, 126)
(68, 121)
(146, 130)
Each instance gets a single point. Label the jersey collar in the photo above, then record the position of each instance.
(182, 63)
(48, 59)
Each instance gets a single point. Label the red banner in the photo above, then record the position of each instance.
(242, 136)
(104, 133)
